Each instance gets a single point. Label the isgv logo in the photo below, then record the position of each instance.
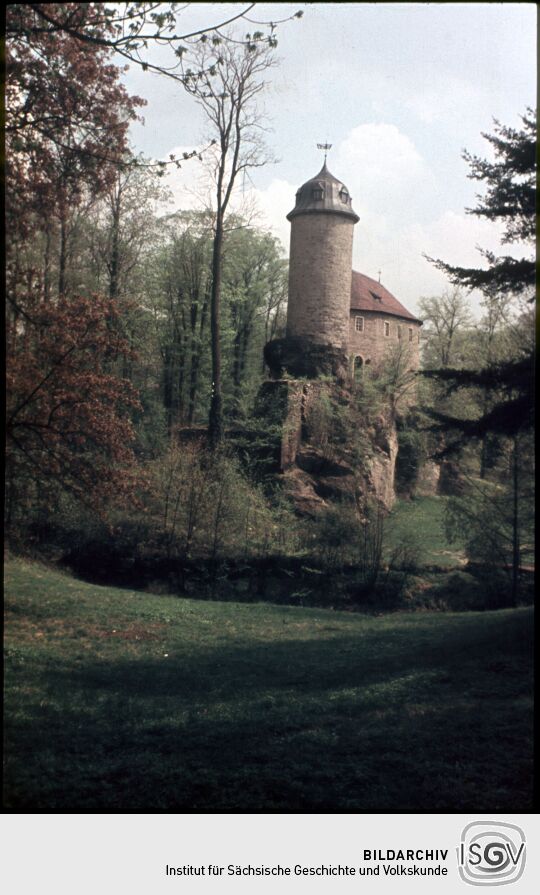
(491, 853)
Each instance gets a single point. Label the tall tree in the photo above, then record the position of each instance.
(66, 132)
(254, 285)
(181, 294)
(506, 383)
(510, 198)
(68, 421)
(227, 94)
(445, 318)
(68, 418)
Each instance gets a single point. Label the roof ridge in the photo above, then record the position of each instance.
(385, 303)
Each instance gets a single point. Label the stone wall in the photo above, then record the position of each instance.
(372, 344)
(320, 276)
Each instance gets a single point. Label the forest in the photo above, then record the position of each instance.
(135, 339)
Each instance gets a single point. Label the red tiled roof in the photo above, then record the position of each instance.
(369, 295)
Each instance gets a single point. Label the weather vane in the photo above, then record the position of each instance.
(326, 147)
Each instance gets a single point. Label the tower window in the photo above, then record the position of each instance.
(317, 193)
(344, 196)
(359, 324)
(410, 334)
(386, 328)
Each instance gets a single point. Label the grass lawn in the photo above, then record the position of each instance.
(422, 521)
(119, 701)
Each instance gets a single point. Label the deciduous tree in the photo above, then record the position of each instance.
(228, 95)
(68, 417)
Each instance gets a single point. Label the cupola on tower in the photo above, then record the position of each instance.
(338, 320)
(320, 271)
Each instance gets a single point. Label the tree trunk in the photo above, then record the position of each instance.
(47, 266)
(215, 421)
(236, 373)
(63, 256)
(515, 521)
(168, 392)
(193, 385)
(115, 254)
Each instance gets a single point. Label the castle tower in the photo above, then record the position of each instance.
(322, 223)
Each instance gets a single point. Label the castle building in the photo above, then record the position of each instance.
(322, 223)
(379, 324)
(330, 304)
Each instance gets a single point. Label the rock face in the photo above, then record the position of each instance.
(313, 474)
(304, 358)
(428, 478)
(382, 468)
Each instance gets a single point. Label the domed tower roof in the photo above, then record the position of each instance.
(323, 193)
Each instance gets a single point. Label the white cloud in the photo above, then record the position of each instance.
(402, 212)
(381, 150)
(274, 203)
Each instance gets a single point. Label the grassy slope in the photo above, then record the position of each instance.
(123, 701)
(422, 521)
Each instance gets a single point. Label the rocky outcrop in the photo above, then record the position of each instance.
(315, 474)
(300, 357)
(299, 486)
(427, 480)
(382, 466)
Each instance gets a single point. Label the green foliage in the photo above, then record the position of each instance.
(459, 592)
(337, 429)
(495, 519)
(510, 184)
(412, 452)
(334, 536)
(258, 448)
(203, 505)
(422, 521)
(253, 290)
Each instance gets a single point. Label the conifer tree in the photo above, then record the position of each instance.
(510, 198)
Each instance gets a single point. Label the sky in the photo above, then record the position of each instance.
(399, 90)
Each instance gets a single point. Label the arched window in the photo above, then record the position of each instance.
(358, 368)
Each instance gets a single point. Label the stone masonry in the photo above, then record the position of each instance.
(374, 341)
(320, 279)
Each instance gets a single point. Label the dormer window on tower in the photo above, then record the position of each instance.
(344, 195)
(317, 192)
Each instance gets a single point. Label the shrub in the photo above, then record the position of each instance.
(205, 505)
(458, 591)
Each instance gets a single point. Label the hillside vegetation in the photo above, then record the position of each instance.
(119, 701)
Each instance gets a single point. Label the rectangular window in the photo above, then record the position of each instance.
(386, 328)
(410, 334)
(359, 324)
(399, 332)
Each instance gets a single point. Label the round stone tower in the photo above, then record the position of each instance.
(322, 223)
